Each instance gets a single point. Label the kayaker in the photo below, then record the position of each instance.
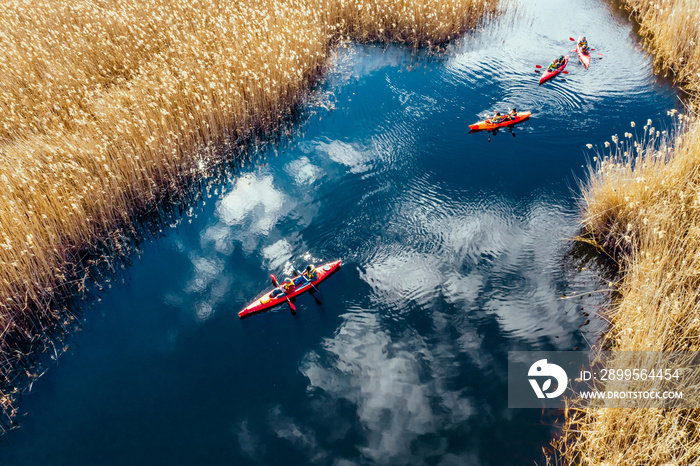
(556, 63)
(513, 114)
(310, 272)
(299, 281)
(288, 284)
(583, 45)
(497, 118)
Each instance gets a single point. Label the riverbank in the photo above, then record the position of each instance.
(111, 108)
(642, 206)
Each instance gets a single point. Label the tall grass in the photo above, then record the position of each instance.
(109, 106)
(642, 205)
(672, 33)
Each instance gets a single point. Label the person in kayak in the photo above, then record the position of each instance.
(288, 285)
(513, 114)
(556, 63)
(583, 45)
(300, 281)
(497, 118)
(310, 272)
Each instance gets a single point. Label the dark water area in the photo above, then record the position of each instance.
(455, 248)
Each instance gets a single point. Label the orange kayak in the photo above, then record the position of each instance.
(508, 121)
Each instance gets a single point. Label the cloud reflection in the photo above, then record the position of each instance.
(397, 386)
(302, 171)
(301, 437)
(354, 156)
(244, 217)
(253, 205)
(456, 266)
(250, 444)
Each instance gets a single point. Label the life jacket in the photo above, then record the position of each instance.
(288, 284)
(311, 274)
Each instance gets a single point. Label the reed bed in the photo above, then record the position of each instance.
(642, 206)
(672, 33)
(110, 107)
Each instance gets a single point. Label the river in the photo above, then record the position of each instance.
(455, 246)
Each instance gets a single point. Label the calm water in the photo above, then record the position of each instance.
(455, 251)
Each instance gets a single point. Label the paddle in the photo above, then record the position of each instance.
(276, 284)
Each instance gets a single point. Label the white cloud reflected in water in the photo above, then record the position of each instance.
(485, 264)
(352, 155)
(253, 206)
(398, 387)
(245, 217)
(302, 171)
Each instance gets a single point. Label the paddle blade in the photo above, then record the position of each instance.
(274, 281)
(600, 53)
(291, 306)
(571, 38)
(565, 72)
(538, 66)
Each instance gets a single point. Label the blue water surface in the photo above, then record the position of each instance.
(455, 249)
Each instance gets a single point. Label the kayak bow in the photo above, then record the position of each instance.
(267, 300)
(547, 75)
(489, 124)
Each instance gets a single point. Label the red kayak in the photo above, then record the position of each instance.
(583, 53)
(278, 296)
(549, 74)
(507, 121)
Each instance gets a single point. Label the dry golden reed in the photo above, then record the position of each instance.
(106, 106)
(642, 204)
(672, 33)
